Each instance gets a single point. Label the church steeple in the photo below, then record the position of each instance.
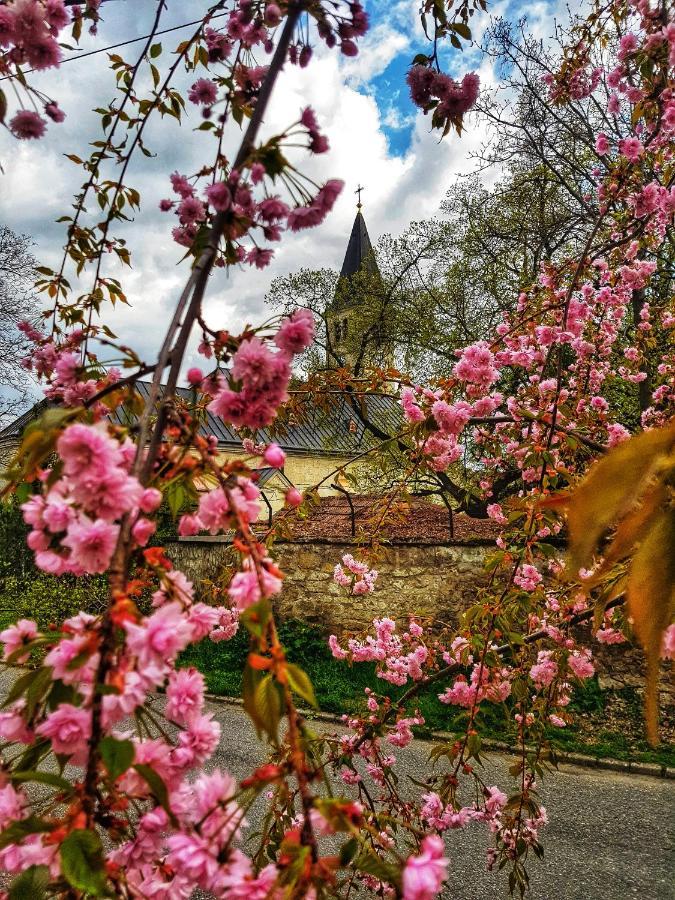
(359, 255)
(351, 309)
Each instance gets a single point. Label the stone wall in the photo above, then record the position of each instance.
(436, 582)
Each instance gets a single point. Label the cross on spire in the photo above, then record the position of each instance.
(358, 191)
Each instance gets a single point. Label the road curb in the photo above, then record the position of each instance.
(626, 767)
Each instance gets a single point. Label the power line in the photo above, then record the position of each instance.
(123, 43)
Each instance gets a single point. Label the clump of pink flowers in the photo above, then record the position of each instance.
(423, 875)
(28, 36)
(355, 575)
(448, 99)
(75, 523)
(399, 656)
(260, 376)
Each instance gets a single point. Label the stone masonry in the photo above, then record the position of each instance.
(436, 582)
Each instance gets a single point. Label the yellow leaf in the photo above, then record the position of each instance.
(630, 530)
(651, 602)
(610, 488)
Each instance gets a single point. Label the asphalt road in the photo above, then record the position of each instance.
(610, 837)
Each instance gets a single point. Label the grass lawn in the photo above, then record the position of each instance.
(339, 688)
(607, 723)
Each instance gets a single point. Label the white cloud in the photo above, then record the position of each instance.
(39, 182)
(380, 45)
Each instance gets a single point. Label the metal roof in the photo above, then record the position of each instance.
(267, 473)
(309, 429)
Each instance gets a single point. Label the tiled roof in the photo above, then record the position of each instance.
(415, 522)
(313, 430)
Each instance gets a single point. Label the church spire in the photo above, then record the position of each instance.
(359, 255)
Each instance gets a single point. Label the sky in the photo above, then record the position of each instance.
(377, 139)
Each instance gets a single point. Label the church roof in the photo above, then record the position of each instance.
(360, 255)
(311, 430)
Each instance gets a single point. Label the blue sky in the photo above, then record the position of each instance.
(376, 136)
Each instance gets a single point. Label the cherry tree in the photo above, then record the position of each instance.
(126, 807)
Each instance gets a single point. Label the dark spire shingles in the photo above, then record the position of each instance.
(360, 255)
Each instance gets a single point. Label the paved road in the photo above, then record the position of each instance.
(611, 836)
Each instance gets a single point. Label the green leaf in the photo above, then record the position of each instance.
(176, 497)
(30, 885)
(300, 683)
(22, 683)
(462, 30)
(155, 50)
(268, 706)
(374, 865)
(256, 617)
(33, 755)
(43, 778)
(117, 755)
(158, 788)
(20, 829)
(348, 851)
(61, 693)
(82, 862)
(37, 689)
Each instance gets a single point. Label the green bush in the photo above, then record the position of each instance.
(49, 600)
(16, 558)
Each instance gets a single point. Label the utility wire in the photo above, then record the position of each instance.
(123, 43)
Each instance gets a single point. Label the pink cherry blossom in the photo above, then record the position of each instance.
(160, 637)
(423, 875)
(580, 663)
(17, 636)
(203, 92)
(296, 332)
(27, 125)
(274, 456)
(91, 544)
(68, 728)
(184, 695)
(293, 497)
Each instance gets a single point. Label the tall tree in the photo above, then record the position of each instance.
(17, 302)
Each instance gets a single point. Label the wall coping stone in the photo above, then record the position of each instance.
(343, 542)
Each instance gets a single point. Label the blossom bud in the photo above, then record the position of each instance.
(293, 497)
(274, 456)
(150, 500)
(272, 14)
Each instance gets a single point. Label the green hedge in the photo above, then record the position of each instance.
(50, 600)
(16, 558)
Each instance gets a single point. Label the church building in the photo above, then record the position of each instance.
(319, 441)
(355, 320)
